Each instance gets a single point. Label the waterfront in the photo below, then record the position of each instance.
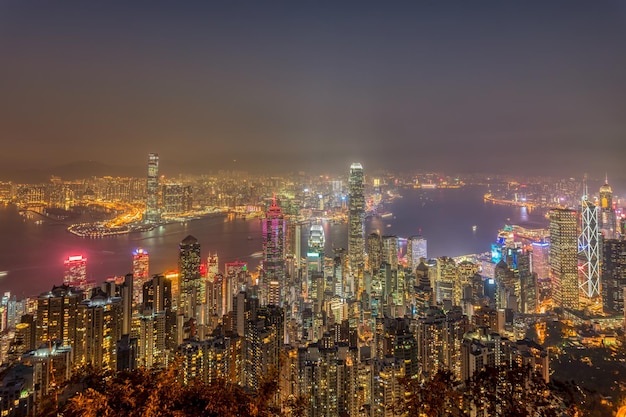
(32, 254)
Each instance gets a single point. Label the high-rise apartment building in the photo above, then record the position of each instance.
(103, 328)
(189, 276)
(356, 217)
(58, 318)
(564, 258)
(153, 213)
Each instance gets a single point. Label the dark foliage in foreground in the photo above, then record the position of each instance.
(503, 391)
(161, 394)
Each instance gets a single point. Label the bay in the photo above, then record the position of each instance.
(32, 254)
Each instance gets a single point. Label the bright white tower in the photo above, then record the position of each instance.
(589, 248)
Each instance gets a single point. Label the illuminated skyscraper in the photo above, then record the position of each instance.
(103, 328)
(273, 244)
(374, 252)
(75, 270)
(613, 275)
(189, 276)
(152, 214)
(416, 249)
(589, 249)
(315, 252)
(58, 318)
(607, 215)
(564, 258)
(390, 251)
(540, 262)
(356, 216)
(141, 273)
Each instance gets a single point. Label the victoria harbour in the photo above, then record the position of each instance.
(33, 258)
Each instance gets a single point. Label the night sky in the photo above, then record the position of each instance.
(472, 86)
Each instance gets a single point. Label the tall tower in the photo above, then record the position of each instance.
(607, 215)
(416, 249)
(315, 252)
(613, 275)
(589, 249)
(189, 276)
(141, 272)
(356, 216)
(374, 252)
(75, 270)
(274, 242)
(152, 214)
(564, 258)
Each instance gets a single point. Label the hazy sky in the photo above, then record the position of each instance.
(463, 86)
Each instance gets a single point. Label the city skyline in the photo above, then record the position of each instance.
(313, 87)
(329, 209)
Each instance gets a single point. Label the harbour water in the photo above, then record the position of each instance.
(31, 254)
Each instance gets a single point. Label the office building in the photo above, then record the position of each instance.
(189, 277)
(416, 249)
(153, 212)
(274, 243)
(75, 270)
(564, 258)
(613, 275)
(356, 217)
(607, 218)
(141, 272)
(589, 249)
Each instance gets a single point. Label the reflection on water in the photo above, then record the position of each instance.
(33, 254)
(523, 214)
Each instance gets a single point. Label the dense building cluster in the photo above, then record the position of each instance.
(344, 330)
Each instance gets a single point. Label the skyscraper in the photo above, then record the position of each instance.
(607, 215)
(75, 270)
(141, 272)
(390, 251)
(152, 214)
(273, 245)
(613, 275)
(564, 258)
(356, 216)
(189, 276)
(315, 252)
(58, 318)
(589, 249)
(540, 259)
(374, 252)
(415, 250)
